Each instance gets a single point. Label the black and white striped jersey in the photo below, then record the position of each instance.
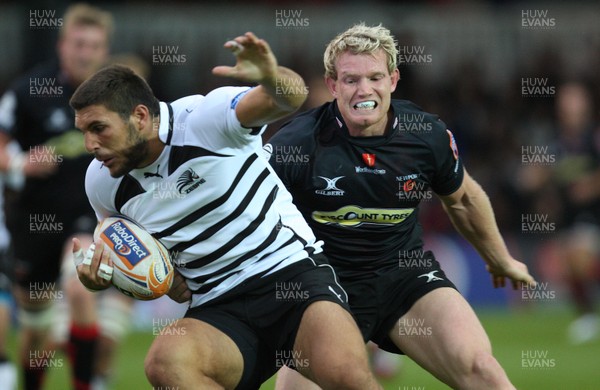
(211, 200)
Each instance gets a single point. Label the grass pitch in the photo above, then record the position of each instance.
(530, 345)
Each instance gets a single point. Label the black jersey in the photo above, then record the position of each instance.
(35, 112)
(361, 194)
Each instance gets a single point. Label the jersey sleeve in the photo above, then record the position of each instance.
(449, 170)
(213, 122)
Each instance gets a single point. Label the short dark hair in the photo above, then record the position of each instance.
(117, 88)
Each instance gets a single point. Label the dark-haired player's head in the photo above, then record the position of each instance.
(116, 110)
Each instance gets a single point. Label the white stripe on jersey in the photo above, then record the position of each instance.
(209, 198)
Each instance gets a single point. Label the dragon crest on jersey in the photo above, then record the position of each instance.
(125, 243)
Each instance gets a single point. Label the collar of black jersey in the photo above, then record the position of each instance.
(372, 141)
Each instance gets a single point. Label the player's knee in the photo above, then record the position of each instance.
(114, 315)
(39, 318)
(487, 367)
(349, 376)
(160, 366)
(168, 361)
(481, 369)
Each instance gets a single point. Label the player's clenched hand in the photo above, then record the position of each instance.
(255, 60)
(94, 267)
(514, 270)
(179, 291)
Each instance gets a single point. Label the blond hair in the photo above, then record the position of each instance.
(360, 39)
(82, 14)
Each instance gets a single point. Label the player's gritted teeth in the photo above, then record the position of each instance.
(366, 105)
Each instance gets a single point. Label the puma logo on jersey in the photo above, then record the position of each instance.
(430, 276)
(189, 181)
(151, 174)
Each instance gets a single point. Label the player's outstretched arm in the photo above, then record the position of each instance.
(470, 211)
(256, 63)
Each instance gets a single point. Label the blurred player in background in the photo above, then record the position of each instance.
(14, 180)
(234, 233)
(568, 189)
(113, 309)
(52, 207)
(576, 175)
(370, 161)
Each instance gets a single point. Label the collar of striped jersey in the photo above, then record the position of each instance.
(165, 127)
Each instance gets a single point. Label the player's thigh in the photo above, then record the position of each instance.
(441, 330)
(193, 346)
(329, 337)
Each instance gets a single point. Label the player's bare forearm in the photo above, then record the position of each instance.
(273, 99)
(472, 215)
(287, 89)
(471, 212)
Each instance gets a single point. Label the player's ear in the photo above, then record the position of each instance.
(141, 116)
(332, 86)
(395, 79)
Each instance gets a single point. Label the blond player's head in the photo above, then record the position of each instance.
(360, 39)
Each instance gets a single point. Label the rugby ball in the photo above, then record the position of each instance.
(142, 267)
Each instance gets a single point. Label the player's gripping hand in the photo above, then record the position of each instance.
(515, 271)
(179, 291)
(255, 60)
(94, 267)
